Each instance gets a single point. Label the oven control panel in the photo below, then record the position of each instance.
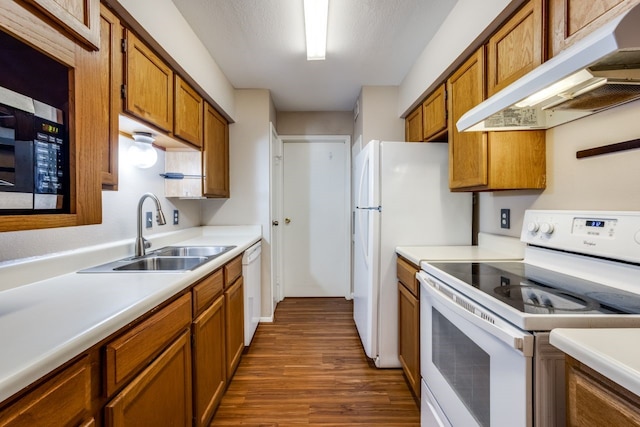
(609, 234)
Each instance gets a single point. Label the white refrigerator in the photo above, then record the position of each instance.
(401, 198)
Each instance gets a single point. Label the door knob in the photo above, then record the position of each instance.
(287, 220)
(275, 223)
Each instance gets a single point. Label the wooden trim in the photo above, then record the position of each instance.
(607, 149)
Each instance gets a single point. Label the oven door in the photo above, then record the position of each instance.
(477, 366)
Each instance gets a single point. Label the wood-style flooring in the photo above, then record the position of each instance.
(308, 368)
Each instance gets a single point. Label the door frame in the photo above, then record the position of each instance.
(346, 140)
(276, 185)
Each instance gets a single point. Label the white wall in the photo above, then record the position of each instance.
(468, 24)
(164, 22)
(379, 117)
(249, 177)
(607, 182)
(315, 123)
(118, 215)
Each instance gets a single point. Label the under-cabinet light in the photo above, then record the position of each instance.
(316, 13)
(141, 153)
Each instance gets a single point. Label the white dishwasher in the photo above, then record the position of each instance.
(251, 275)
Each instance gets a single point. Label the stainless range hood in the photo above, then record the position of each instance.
(598, 72)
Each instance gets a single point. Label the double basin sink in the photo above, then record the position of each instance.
(168, 259)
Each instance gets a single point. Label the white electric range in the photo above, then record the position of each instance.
(485, 353)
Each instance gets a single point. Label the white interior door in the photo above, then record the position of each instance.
(277, 293)
(316, 229)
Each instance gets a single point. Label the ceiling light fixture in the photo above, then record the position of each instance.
(316, 14)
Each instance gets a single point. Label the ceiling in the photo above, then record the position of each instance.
(261, 44)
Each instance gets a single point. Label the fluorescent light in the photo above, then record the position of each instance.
(316, 13)
(555, 89)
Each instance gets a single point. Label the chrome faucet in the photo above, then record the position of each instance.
(141, 242)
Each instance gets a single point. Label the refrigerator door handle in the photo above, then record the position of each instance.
(372, 208)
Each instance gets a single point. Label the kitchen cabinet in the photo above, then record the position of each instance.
(409, 323)
(234, 322)
(215, 156)
(18, 21)
(161, 394)
(109, 95)
(434, 115)
(488, 161)
(572, 20)
(65, 399)
(148, 80)
(209, 364)
(129, 353)
(413, 125)
(81, 18)
(517, 47)
(187, 113)
(594, 400)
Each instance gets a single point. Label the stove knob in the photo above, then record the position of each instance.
(533, 227)
(546, 228)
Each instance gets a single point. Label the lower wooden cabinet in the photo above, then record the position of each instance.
(409, 323)
(234, 325)
(63, 400)
(209, 364)
(594, 400)
(161, 394)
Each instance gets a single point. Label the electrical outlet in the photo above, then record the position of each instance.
(176, 217)
(505, 218)
(149, 219)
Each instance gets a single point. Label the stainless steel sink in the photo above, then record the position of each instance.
(174, 259)
(204, 251)
(155, 263)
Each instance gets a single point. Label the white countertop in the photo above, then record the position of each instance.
(614, 353)
(490, 248)
(47, 321)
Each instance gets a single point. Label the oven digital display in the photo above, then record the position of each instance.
(594, 223)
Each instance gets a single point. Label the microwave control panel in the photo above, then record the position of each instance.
(49, 157)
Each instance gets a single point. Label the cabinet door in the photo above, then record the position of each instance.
(209, 367)
(160, 395)
(63, 400)
(149, 85)
(434, 115)
(413, 126)
(109, 95)
(409, 337)
(215, 157)
(80, 17)
(593, 400)
(468, 154)
(234, 327)
(188, 113)
(516, 48)
(571, 20)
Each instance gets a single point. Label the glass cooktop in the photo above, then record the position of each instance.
(532, 289)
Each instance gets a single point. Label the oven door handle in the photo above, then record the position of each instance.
(470, 311)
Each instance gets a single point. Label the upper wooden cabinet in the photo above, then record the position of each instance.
(516, 48)
(109, 99)
(434, 115)
(187, 113)
(80, 110)
(488, 161)
(413, 126)
(81, 18)
(215, 157)
(148, 80)
(571, 20)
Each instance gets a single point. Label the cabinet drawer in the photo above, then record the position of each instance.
(65, 399)
(206, 291)
(129, 353)
(232, 270)
(407, 275)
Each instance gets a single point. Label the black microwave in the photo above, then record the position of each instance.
(34, 154)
